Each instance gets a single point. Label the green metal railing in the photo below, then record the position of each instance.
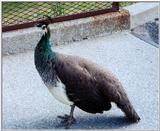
(18, 15)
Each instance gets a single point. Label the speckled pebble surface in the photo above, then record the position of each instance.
(27, 104)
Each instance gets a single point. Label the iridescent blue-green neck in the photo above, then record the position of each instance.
(45, 59)
(44, 52)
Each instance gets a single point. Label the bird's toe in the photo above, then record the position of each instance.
(64, 117)
(67, 120)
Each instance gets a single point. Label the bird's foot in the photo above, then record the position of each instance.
(67, 120)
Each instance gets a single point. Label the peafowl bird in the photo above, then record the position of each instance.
(76, 81)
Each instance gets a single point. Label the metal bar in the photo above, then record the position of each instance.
(115, 7)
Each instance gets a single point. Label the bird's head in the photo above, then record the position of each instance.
(44, 26)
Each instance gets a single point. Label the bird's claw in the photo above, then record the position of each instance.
(67, 120)
(63, 117)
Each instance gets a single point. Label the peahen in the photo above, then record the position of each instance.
(76, 81)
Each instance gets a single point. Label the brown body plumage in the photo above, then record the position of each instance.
(91, 87)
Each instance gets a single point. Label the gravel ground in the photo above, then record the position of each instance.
(27, 104)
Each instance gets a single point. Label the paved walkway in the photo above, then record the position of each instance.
(28, 104)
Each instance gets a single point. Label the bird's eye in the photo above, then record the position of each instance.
(43, 27)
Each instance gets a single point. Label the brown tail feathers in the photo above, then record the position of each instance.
(125, 105)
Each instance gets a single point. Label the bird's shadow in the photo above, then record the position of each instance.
(101, 122)
(85, 122)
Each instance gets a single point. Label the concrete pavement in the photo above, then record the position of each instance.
(27, 104)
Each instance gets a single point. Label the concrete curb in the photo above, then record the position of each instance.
(142, 12)
(66, 32)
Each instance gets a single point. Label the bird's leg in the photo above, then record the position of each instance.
(68, 120)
